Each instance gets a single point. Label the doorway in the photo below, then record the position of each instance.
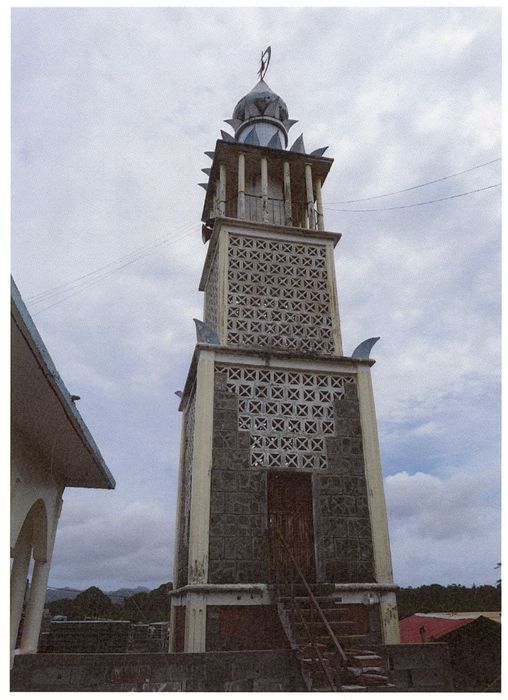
(290, 511)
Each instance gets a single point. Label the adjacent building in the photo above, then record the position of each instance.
(474, 642)
(51, 449)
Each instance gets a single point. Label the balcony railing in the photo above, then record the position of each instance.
(275, 212)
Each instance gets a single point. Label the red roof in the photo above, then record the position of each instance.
(416, 629)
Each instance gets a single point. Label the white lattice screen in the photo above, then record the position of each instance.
(278, 295)
(288, 414)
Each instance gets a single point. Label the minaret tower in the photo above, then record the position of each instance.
(279, 426)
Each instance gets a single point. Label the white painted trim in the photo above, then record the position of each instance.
(312, 238)
(179, 499)
(374, 478)
(201, 472)
(195, 625)
(334, 301)
(337, 367)
(222, 291)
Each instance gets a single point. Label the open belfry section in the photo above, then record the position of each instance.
(282, 538)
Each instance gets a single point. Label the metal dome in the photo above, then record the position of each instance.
(261, 101)
(261, 118)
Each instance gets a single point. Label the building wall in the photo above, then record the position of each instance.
(238, 519)
(31, 481)
(237, 550)
(244, 627)
(279, 295)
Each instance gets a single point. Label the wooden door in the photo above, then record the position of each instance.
(290, 510)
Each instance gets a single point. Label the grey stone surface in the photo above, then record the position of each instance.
(238, 499)
(238, 518)
(272, 670)
(344, 537)
(418, 667)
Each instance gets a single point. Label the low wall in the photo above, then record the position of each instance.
(412, 668)
(257, 671)
(418, 667)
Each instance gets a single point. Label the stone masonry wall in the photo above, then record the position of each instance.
(238, 519)
(243, 627)
(238, 499)
(344, 537)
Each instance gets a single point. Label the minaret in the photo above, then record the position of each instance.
(279, 426)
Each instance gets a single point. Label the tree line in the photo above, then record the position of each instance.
(452, 598)
(153, 606)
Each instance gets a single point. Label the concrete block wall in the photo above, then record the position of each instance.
(255, 671)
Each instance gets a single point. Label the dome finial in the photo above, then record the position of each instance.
(265, 62)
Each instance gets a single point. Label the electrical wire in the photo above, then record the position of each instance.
(109, 273)
(415, 187)
(417, 204)
(52, 291)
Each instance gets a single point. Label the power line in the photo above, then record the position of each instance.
(52, 291)
(419, 204)
(107, 274)
(415, 187)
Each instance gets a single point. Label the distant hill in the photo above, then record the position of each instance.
(117, 596)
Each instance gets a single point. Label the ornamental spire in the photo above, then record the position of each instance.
(264, 62)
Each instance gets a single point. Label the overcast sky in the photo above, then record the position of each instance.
(112, 111)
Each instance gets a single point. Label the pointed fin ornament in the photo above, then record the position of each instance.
(207, 171)
(206, 233)
(179, 394)
(235, 123)
(210, 154)
(288, 123)
(252, 137)
(319, 151)
(204, 185)
(274, 142)
(205, 334)
(226, 136)
(298, 146)
(362, 351)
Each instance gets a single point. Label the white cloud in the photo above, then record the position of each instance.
(446, 525)
(111, 115)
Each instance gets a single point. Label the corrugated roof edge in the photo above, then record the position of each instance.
(61, 390)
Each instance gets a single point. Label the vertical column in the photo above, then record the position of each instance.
(222, 190)
(319, 205)
(241, 186)
(39, 586)
(310, 196)
(264, 188)
(288, 213)
(213, 207)
(179, 501)
(195, 623)
(199, 527)
(332, 288)
(222, 295)
(33, 614)
(389, 619)
(376, 498)
(19, 573)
